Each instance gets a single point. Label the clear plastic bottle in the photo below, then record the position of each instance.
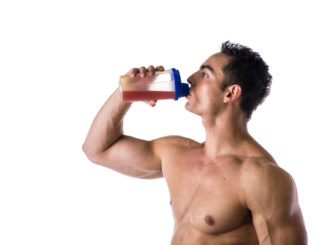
(162, 85)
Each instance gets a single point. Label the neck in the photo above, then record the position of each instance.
(225, 133)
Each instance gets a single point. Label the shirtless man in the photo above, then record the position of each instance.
(228, 190)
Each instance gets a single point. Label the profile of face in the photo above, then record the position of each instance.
(206, 95)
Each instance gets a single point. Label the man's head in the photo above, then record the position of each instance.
(247, 69)
(235, 76)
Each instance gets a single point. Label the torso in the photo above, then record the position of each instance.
(206, 198)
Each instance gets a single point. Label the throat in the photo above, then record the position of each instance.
(224, 133)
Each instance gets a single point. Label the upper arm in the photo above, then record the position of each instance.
(271, 196)
(136, 157)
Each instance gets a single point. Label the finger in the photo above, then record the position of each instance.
(159, 68)
(151, 70)
(133, 72)
(142, 71)
(152, 103)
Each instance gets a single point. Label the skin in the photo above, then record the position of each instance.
(227, 190)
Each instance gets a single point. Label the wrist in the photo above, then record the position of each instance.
(124, 104)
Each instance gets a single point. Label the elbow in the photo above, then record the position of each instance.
(91, 155)
(85, 148)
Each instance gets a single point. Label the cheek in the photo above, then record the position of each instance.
(211, 101)
(206, 94)
(202, 91)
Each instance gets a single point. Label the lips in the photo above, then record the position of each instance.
(189, 94)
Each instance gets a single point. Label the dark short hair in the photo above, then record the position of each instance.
(247, 69)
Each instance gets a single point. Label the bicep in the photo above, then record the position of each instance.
(133, 157)
(285, 231)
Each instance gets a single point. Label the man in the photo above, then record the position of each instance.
(227, 190)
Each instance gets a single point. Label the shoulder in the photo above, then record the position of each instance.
(265, 184)
(173, 145)
(174, 142)
(262, 170)
(265, 173)
(171, 149)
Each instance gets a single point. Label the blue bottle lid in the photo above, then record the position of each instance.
(181, 89)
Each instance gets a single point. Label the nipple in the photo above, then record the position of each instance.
(209, 220)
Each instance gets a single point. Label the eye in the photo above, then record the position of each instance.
(204, 74)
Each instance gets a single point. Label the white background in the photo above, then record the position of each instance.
(59, 62)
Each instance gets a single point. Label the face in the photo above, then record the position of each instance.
(206, 95)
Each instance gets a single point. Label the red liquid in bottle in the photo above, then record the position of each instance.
(146, 95)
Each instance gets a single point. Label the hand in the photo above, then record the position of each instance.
(143, 72)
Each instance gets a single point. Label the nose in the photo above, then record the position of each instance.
(190, 81)
(193, 78)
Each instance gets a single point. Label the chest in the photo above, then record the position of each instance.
(205, 194)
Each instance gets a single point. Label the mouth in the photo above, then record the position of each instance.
(189, 94)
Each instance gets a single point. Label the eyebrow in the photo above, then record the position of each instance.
(207, 67)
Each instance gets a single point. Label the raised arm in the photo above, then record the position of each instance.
(271, 196)
(106, 145)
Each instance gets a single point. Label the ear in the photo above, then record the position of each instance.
(232, 93)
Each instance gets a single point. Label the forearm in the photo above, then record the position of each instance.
(107, 125)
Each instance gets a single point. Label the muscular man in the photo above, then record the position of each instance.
(228, 190)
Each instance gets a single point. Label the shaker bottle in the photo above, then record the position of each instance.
(162, 85)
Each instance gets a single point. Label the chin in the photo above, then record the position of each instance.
(187, 106)
(190, 109)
